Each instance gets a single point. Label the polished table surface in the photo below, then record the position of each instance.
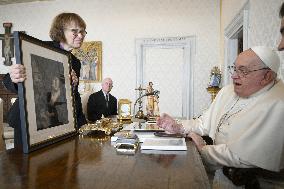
(92, 162)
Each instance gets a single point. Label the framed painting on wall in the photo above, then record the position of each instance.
(90, 55)
(45, 98)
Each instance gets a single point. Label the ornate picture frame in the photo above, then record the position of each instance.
(124, 109)
(90, 55)
(45, 98)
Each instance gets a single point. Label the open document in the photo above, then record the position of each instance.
(164, 144)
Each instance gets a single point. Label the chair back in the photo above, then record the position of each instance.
(2, 142)
(84, 100)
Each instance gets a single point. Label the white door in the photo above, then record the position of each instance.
(168, 62)
(163, 66)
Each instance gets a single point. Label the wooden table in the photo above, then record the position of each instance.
(92, 162)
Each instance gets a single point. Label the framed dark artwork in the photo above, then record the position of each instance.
(45, 97)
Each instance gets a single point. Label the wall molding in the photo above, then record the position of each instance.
(188, 44)
(240, 21)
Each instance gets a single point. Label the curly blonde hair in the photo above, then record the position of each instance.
(62, 20)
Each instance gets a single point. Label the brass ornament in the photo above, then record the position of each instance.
(105, 125)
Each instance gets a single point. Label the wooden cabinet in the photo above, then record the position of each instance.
(6, 96)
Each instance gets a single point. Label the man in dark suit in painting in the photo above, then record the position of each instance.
(102, 102)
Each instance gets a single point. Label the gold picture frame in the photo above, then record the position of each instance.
(124, 109)
(90, 55)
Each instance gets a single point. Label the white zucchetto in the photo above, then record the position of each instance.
(268, 56)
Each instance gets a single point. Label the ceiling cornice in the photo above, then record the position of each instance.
(6, 2)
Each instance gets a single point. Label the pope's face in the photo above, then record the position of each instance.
(250, 82)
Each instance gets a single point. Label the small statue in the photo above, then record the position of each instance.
(7, 44)
(152, 106)
(156, 106)
(150, 100)
(215, 77)
(215, 81)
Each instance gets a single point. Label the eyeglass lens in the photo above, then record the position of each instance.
(242, 73)
(77, 31)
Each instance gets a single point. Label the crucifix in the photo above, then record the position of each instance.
(7, 44)
(139, 114)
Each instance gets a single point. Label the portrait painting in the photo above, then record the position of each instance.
(90, 55)
(45, 97)
(50, 96)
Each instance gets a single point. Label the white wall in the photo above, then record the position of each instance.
(118, 22)
(265, 25)
(264, 21)
(229, 10)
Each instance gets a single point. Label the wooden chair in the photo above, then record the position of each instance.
(84, 100)
(2, 141)
(6, 132)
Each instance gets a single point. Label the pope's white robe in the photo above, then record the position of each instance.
(252, 133)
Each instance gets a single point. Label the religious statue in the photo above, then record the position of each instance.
(152, 106)
(152, 103)
(150, 100)
(214, 83)
(156, 106)
(215, 77)
(7, 44)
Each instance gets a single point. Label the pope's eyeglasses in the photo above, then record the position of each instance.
(243, 72)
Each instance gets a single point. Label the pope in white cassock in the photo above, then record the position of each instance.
(246, 119)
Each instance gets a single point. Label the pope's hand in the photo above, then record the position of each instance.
(169, 124)
(17, 73)
(198, 140)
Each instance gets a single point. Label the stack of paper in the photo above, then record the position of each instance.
(141, 135)
(165, 152)
(142, 130)
(118, 134)
(164, 144)
(147, 126)
(130, 126)
(145, 133)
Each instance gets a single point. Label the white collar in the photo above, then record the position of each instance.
(105, 94)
